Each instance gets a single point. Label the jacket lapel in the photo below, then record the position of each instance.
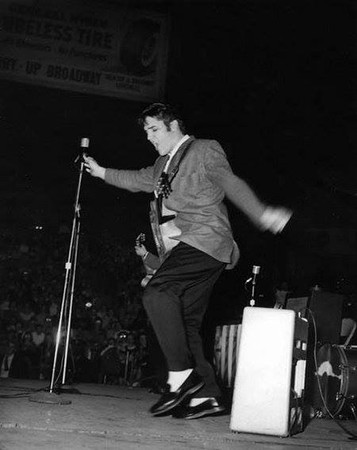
(176, 159)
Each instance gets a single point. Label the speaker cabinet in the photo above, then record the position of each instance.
(270, 377)
(327, 310)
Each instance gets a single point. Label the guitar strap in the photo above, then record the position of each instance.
(173, 172)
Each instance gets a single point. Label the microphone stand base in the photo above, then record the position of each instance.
(66, 389)
(49, 398)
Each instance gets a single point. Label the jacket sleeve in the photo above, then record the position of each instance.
(152, 261)
(131, 180)
(219, 171)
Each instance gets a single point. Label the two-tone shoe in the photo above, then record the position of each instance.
(170, 400)
(209, 407)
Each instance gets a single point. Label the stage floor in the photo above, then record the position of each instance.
(112, 417)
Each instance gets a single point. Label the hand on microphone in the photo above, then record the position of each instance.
(93, 168)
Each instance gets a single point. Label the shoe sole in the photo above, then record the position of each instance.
(211, 412)
(191, 391)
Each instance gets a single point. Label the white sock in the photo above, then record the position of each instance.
(176, 378)
(197, 401)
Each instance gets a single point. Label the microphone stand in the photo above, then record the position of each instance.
(66, 307)
(253, 279)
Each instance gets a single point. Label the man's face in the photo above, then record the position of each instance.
(161, 138)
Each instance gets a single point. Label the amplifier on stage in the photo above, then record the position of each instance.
(268, 396)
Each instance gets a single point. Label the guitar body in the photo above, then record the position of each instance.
(163, 232)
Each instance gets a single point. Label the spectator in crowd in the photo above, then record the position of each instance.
(47, 355)
(10, 362)
(281, 294)
(42, 314)
(29, 357)
(4, 306)
(38, 336)
(110, 365)
(26, 313)
(114, 329)
(98, 333)
(19, 331)
(53, 308)
(105, 317)
(12, 313)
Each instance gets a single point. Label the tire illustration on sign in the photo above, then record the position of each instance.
(139, 48)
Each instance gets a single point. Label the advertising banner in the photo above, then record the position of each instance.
(84, 46)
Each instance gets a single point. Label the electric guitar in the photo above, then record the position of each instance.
(163, 228)
(161, 218)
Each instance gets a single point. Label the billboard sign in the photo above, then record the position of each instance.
(82, 46)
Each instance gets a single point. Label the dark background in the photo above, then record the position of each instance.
(273, 81)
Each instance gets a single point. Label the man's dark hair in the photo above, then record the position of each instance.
(164, 112)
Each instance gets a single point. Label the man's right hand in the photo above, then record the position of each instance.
(93, 168)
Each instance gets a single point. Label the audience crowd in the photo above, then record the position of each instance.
(111, 340)
(109, 332)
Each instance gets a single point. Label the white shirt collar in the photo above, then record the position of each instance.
(174, 150)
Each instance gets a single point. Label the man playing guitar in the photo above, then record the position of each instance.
(196, 177)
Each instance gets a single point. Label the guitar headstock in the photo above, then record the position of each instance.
(140, 239)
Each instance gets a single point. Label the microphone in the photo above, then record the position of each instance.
(255, 272)
(85, 142)
(84, 147)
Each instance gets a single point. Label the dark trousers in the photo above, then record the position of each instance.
(176, 300)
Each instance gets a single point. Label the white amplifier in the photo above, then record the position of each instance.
(270, 376)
